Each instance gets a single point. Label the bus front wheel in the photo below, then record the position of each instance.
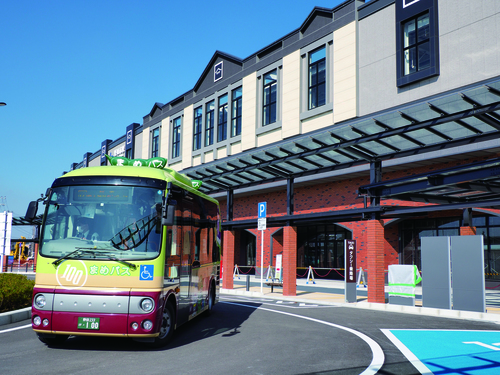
(167, 326)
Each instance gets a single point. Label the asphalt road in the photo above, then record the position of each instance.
(243, 335)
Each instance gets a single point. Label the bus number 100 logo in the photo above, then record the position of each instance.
(73, 275)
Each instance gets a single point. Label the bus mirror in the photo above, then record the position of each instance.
(168, 219)
(31, 212)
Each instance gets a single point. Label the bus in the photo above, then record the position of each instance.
(124, 251)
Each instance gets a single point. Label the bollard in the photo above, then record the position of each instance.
(248, 283)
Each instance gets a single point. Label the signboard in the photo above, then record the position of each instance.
(278, 266)
(350, 261)
(261, 224)
(218, 71)
(262, 213)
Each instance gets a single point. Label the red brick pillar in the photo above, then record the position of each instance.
(467, 231)
(228, 258)
(289, 261)
(375, 261)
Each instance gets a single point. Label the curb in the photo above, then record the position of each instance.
(15, 316)
(442, 313)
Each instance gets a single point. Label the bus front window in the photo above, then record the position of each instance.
(112, 221)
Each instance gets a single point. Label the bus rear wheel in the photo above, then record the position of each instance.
(211, 298)
(167, 326)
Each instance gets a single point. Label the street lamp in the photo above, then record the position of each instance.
(2, 104)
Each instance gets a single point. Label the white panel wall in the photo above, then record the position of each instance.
(469, 51)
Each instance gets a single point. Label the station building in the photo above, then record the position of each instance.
(375, 121)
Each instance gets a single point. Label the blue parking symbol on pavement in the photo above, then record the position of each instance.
(147, 272)
(448, 351)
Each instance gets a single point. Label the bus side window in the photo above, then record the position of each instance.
(168, 248)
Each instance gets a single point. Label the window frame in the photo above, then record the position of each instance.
(216, 145)
(197, 128)
(305, 111)
(222, 112)
(261, 128)
(316, 86)
(236, 111)
(269, 106)
(209, 128)
(155, 141)
(403, 17)
(176, 137)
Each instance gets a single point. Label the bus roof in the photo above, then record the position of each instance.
(166, 174)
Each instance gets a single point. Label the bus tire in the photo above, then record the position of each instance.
(52, 340)
(211, 299)
(167, 326)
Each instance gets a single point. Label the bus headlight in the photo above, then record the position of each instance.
(40, 301)
(37, 320)
(45, 322)
(147, 325)
(147, 304)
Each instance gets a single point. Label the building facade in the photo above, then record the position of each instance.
(375, 121)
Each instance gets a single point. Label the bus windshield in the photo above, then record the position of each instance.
(102, 222)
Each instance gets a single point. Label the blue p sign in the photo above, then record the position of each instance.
(262, 210)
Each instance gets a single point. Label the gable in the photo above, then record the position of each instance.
(220, 67)
(318, 18)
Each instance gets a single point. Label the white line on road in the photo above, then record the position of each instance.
(377, 352)
(15, 328)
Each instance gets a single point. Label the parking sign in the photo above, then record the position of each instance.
(262, 211)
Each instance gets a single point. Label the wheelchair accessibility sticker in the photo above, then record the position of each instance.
(147, 272)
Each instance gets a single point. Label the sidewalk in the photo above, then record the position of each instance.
(331, 292)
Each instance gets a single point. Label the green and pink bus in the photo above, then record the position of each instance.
(124, 251)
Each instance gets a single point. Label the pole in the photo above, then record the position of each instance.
(261, 262)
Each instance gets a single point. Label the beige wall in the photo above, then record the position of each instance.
(187, 137)
(344, 73)
(164, 138)
(291, 95)
(248, 112)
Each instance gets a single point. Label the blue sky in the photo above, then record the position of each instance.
(74, 73)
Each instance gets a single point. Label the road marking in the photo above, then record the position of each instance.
(449, 351)
(377, 352)
(407, 353)
(287, 304)
(15, 328)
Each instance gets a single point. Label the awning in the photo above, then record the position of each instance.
(465, 185)
(463, 117)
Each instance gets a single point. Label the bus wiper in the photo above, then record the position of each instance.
(70, 255)
(131, 265)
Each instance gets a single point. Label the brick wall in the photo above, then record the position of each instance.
(331, 196)
(289, 261)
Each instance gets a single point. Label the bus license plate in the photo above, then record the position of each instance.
(88, 323)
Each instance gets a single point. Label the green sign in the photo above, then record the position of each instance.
(88, 323)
